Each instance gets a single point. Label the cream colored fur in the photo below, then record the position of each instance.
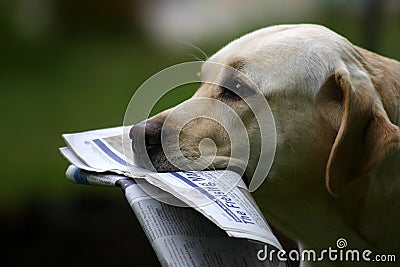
(336, 172)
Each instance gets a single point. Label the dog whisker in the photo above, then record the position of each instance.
(197, 48)
(196, 57)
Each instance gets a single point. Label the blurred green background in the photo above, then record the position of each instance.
(73, 65)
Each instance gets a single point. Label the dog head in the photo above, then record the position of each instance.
(328, 117)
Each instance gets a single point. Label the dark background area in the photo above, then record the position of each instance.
(71, 66)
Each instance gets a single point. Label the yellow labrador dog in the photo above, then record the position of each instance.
(336, 172)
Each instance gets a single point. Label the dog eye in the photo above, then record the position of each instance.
(234, 90)
(229, 93)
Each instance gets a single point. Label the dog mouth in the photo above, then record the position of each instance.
(149, 153)
(152, 157)
(196, 155)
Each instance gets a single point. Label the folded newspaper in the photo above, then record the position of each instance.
(222, 227)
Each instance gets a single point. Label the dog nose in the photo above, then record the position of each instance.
(150, 129)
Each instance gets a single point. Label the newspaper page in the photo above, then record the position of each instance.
(180, 236)
(231, 208)
(103, 150)
(220, 196)
(76, 161)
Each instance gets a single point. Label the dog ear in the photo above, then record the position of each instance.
(364, 133)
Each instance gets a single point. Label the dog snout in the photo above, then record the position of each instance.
(150, 130)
